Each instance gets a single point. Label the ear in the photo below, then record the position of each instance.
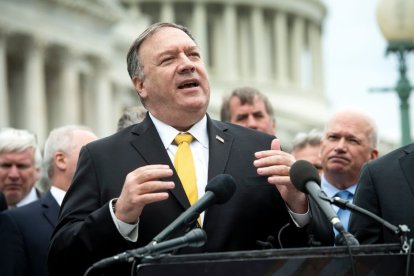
(374, 154)
(140, 87)
(59, 159)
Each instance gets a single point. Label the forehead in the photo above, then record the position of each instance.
(349, 125)
(18, 156)
(166, 39)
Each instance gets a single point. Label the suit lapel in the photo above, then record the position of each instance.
(50, 208)
(148, 144)
(406, 163)
(220, 143)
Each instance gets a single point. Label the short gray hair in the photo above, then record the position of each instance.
(19, 140)
(246, 95)
(302, 139)
(131, 115)
(59, 139)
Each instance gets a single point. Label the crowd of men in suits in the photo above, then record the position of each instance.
(126, 190)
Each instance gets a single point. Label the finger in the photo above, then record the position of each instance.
(154, 186)
(279, 170)
(275, 144)
(150, 172)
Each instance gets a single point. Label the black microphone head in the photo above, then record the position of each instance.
(301, 172)
(196, 237)
(223, 186)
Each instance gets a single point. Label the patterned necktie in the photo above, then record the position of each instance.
(344, 214)
(184, 165)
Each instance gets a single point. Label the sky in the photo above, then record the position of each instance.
(355, 62)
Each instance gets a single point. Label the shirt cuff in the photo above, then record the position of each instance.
(300, 220)
(128, 231)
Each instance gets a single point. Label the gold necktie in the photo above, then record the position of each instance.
(184, 165)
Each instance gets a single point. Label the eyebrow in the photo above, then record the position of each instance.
(175, 50)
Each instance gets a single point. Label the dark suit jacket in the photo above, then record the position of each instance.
(86, 233)
(386, 188)
(3, 203)
(24, 237)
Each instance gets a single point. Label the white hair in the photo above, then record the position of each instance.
(19, 140)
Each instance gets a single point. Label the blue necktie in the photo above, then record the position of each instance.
(343, 214)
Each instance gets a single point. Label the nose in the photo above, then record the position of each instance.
(251, 122)
(13, 172)
(341, 145)
(186, 65)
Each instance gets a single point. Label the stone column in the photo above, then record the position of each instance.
(167, 12)
(281, 37)
(297, 45)
(104, 122)
(200, 29)
(229, 44)
(258, 44)
(34, 105)
(68, 88)
(245, 45)
(217, 48)
(315, 44)
(4, 93)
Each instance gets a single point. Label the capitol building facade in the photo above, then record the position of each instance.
(64, 61)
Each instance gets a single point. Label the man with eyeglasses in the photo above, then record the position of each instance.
(20, 161)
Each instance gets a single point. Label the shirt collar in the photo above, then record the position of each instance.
(58, 194)
(331, 190)
(30, 197)
(168, 133)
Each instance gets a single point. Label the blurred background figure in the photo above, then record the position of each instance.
(131, 116)
(25, 232)
(247, 107)
(307, 146)
(20, 161)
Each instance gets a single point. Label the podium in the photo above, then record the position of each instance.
(366, 259)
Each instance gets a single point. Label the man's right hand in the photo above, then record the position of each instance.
(142, 186)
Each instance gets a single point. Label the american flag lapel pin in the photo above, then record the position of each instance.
(220, 139)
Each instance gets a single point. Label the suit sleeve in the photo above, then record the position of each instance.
(366, 230)
(85, 232)
(13, 260)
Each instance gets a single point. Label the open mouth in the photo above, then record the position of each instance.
(189, 84)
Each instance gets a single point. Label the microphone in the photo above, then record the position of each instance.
(218, 191)
(195, 238)
(401, 231)
(306, 179)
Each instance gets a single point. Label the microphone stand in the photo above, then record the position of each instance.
(401, 231)
(195, 238)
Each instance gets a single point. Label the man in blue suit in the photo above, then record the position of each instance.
(25, 232)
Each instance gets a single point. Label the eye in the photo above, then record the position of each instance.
(166, 60)
(332, 137)
(194, 55)
(353, 141)
(5, 166)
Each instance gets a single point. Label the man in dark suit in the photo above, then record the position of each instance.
(386, 188)
(25, 232)
(20, 161)
(3, 203)
(126, 189)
